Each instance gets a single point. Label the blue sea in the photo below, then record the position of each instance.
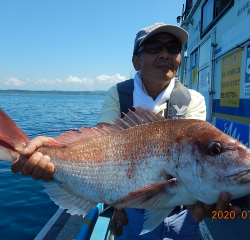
(24, 206)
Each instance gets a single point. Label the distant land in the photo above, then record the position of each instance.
(55, 92)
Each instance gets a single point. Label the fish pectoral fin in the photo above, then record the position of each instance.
(154, 217)
(151, 196)
(66, 200)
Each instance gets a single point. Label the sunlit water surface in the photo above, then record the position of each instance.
(24, 206)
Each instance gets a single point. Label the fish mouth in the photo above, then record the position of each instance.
(242, 177)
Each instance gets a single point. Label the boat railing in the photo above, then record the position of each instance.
(96, 225)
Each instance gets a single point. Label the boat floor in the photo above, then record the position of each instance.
(64, 226)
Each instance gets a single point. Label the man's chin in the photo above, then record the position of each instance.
(165, 75)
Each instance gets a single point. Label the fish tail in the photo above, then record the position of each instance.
(12, 139)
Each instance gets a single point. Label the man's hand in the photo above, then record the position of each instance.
(36, 165)
(120, 219)
(201, 210)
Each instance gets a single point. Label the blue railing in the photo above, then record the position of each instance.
(95, 226)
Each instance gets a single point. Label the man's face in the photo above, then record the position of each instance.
(159, 67)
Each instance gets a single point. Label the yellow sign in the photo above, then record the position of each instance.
(195, 73)
(230, 80)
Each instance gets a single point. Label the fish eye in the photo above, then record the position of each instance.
(214, 148)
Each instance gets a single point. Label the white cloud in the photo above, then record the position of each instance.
(72, 79)
(14, 81)
(104, 79)
(71, 83)
(47, 82)
(44, 81)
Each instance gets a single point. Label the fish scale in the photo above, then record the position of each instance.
(155, 164)
(105, 171)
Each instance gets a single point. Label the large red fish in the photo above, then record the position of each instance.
(141, 161)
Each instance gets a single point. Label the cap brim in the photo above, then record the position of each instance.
(178, 32)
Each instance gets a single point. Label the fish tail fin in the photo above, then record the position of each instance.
(12, 139)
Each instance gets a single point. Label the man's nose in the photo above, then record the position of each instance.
(164, 53)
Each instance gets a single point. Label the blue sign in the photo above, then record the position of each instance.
(247, 74)
(239, 131)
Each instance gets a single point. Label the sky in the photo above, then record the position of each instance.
(74, 45)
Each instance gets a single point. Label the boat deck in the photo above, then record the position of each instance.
(63, 226)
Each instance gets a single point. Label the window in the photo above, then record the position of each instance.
(207, 17)
(212, 10)
(189, 5)
(220, 5)
(194, 72)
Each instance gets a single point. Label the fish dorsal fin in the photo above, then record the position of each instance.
(131, 119)
(135, 118)
(71, 136)
(66, 200)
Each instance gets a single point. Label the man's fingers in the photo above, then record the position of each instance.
(34, 144)
(31, 164)
(237, 210)
(37, 165)
(121, 217)
(17, 166)
(209, 210)
(201, 210)
(115, 229)
(197, 211)
(190, 207)
(223, 202)
(39, 168)
(48, 172)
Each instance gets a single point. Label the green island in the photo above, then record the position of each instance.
(55, 92)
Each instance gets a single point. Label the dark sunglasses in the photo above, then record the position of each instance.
(156, 46)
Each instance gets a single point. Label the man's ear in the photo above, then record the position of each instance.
(136, 64)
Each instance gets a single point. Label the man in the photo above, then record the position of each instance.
(156, 57)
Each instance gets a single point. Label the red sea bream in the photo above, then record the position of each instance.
(141, 161)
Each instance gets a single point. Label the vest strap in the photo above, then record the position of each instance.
(177, 103)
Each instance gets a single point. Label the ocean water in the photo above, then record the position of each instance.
(24, 207)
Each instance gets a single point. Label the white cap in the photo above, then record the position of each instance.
(145, 33)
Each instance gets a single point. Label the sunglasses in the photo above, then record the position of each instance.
(156, 46)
